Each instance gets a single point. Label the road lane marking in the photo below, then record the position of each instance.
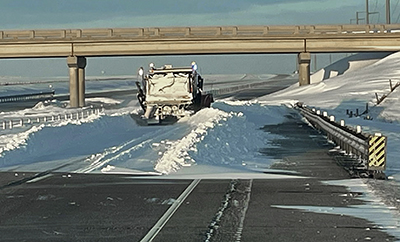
(168, 214)
(245, 207)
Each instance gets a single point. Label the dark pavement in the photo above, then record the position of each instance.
(87, 207)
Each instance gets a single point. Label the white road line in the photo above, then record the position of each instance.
(39, 178)
(245, 207)
(168, 214)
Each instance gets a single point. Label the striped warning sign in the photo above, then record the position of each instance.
(377, 153)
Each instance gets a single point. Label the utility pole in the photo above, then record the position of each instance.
(388, 11)
(358, 17)
(366, 12)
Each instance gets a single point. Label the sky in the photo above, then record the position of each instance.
(72, 14)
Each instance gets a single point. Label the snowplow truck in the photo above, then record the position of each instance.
(168, 93)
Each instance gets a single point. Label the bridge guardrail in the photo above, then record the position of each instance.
(206, 32)
(369, 149)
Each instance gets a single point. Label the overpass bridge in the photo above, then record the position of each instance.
(78, 44)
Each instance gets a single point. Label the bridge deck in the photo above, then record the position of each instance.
(198, 40)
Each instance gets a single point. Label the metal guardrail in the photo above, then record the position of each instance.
(25, 97)
(370, 149)
(222, 91)
(11, 123)
(196, 32)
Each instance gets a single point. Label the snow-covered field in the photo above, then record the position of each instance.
(217, 136)
(112, 142)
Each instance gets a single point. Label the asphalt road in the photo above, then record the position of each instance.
(58, 206)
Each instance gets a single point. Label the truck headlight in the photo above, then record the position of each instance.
(141, 71)
(167, 110)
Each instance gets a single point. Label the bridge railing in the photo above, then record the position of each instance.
(234, 31)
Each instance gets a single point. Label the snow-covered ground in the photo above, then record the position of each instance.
(112, 142)
(212, 136)
(218, 142)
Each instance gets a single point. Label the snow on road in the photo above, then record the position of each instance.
(220, 141)
(112, 141)
(220, 135)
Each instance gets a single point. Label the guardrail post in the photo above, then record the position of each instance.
(11, 124)
(312, 29)
(234, 31)
(156, 32)
(141, 32)
(110, 33)
(296, 29)
(219, 31)
(187, 32)
(265, 30)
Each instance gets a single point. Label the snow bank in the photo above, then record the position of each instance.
(353, 90)
(177, 153)
(360, 84)
(228, 135)
(348, 64)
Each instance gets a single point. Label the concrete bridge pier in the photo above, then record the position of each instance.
(76, 67)
(304, 59)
